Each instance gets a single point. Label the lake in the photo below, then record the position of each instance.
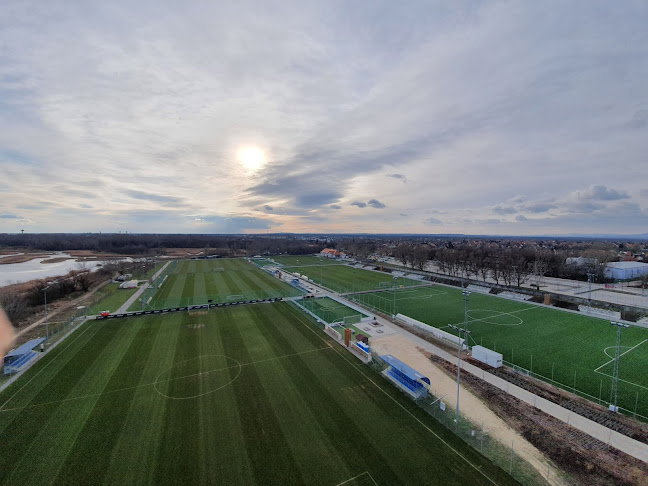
(24, 272)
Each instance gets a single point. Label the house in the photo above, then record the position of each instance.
(331, 253)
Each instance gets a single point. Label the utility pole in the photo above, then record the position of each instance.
(466, 332)
(46, 320)
(590, 277)
(394, 291)
(514, 281)
(614, 393)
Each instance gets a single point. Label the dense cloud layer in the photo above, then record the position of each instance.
(528, 117)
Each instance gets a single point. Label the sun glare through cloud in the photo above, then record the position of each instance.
(252, 158)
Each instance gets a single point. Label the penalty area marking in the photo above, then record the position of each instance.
(366, 473)
(494, 315)
(625, 352)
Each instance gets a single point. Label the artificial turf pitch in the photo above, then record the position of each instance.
(575, 349)
(194, 282)
(251, 394)
(343, 278)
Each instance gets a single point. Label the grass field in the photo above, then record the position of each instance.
(193, 282)
(111, 298)
(295, 260)
(570, 347)
(241, 395)
(343, 278)
(305, 260)
(330, 310)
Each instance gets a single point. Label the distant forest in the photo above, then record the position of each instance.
(146, 244)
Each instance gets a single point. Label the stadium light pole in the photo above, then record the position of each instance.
(394, 308)
(590, 277)
(466, 332)
(515, 281)
(46, 319)
(614, 393)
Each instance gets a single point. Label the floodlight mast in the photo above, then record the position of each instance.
(590, 278)
(394, 292)
(466, 332)
(614, 393)
(46, 316)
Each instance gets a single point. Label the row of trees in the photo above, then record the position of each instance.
(507, 266)
(149, 244)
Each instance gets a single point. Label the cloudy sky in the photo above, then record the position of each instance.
(351, 116)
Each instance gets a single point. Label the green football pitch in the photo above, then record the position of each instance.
(330, 310)
(194, 282)
(251, 394)
(343, 278)
(575, 350)
(303, 260)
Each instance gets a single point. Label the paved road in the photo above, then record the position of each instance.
(619, 441)
(140, 291)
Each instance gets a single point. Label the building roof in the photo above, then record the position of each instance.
(25, 348)
(627, 265)
(408, 371)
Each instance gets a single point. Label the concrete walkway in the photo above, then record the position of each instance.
(140, 291)
(614, 439)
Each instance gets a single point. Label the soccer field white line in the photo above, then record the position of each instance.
(498, 315)
(390, 299)
(153, 383)
(624, 381)
(366, 473)
(625, 352)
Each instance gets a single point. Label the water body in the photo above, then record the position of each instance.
(24, 272)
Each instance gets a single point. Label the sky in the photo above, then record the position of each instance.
(511, 118)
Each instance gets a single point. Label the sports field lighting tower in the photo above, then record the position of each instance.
(46, 316)
(394, 307)
(590, 278)
(466, 332)
(514, 280)
(615, 374)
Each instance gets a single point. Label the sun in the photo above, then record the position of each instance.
(252, 158)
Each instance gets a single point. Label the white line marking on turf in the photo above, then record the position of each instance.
(625, 352)
(53, 402)
(355, 365)
(46, 365)
(366, 473)
(625, 381)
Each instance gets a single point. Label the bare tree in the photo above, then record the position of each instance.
(420, 256)
(82, 278)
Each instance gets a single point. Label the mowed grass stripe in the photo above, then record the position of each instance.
(339, 428)
(96, 434)
(54, 417)
(144, 420)
(181, 437)
(267, 449)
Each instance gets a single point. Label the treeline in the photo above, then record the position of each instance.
(148, 244)
(506, 266)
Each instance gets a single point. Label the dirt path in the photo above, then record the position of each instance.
(471, 406)
(67, 305)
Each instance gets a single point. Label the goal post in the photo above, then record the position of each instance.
(384, 285)
(354, 319)
(219, 269)
(233, 297)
